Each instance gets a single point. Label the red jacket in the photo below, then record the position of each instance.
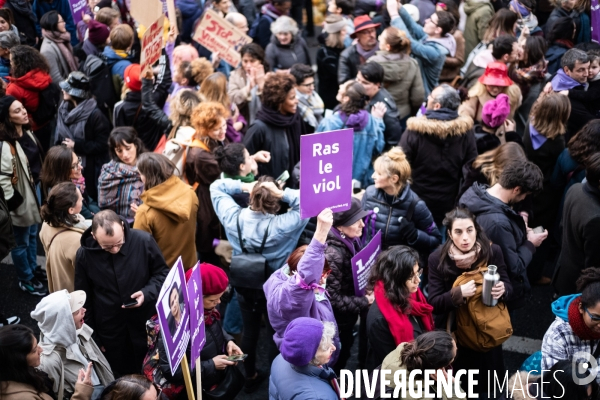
(26, 89)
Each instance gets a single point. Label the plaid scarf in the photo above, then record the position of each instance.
(311, 108)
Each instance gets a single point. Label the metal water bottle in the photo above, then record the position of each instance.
(490, 278)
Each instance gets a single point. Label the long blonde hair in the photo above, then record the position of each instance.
(392, 163)
(214, 88)
(492, 162)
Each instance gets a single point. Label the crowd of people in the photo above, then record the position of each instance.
(476, 154)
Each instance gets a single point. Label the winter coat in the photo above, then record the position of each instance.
(280, 56)
(202, 168)
(328, 59)
(119, 185)
(116, 63)
(391, 119)
(504, 227)
(21, 198)
(388, 210)
(402, 79)
(93, 145)
(288, 381)
(27, 89)
(59, 68)
(452, 65)
(242, 96)
(560, 12)
(554, 55)
(289, 297)
(25, 19)
(348, 64)
(284, 229)
(60, 246)
(340, 282)
(168, 213)
(581, 227)
(22, 391)
(4, 68)
(110, 280)
(580, 115)
(131, 112)
(190, 12)
(437, 151)
(473, 106)
(546, 202)
(430, 53)
(479, 14)
(443, 297)
(41, 7)
(368, 144)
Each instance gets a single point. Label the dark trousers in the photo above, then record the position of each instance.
(346, 323)
(253, 306)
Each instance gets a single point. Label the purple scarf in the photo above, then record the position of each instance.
(357, 121)
(562, 81)
(537, 139)
(367, 54)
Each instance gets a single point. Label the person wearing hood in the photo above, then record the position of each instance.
(331, 43)
(429, 44)
(168, 210)
(438, 145)
(287, 47)
(401, 81)
(357, 54)
(479, 14)
(368, 130)
(301, 370)
(61, 234)
(116, 266)
(573, 77)
(67, 343)
(432, 351)
(24, 20)
(576, 329)
(82, 126)
(492, 207)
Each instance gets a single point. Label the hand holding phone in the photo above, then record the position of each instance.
(237, 357)
(130, 303)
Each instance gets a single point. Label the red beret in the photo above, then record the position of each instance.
(214, 279)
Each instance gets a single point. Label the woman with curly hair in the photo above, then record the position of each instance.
(278, 126)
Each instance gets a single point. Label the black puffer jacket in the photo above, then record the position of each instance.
(340, 283)
(389, 210)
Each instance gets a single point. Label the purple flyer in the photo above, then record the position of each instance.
(173, 315)
(326, 172)
(363, 262)
(196, 307)
(78, 7)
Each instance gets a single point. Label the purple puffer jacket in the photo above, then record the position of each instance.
(291, 297)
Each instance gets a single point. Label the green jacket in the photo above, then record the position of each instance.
(479, 13)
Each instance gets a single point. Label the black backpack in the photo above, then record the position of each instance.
(101, 82)
(48, 102)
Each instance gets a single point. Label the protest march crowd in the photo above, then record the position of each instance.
(131, 139)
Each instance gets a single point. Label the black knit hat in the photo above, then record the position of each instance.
(5, 103)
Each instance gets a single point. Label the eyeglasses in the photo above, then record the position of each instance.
(432, 21)
(158, 390)
(112, 246)
(77, 165)
(414, 277)
(592, 317)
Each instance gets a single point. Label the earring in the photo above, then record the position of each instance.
(342, 235)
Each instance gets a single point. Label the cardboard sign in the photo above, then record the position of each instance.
(219, 36)
(326, 172)
(78, 7)
(152, 43)
(196, 308)
(173, 315)
(145, 12)
(363, 262)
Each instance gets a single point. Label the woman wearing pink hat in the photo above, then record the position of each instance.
(494, 81)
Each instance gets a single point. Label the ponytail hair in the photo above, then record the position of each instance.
(588, 284)
(397, 39)
(56, 210)
(261, 198)
(358, 99)
(392, 163)
(431, 350)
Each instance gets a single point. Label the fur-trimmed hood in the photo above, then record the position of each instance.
(526, 394)
(442, 129)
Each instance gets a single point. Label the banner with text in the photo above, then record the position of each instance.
(173, 315)
(78, 8)
(219, 36)
(196, 308)
(326, 172)
(152, 43)
(363, 262)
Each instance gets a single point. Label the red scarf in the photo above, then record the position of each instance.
(211, 316)
(400, 326)
(577, 323)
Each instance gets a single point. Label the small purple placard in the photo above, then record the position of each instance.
(363, 262)
(196, 307)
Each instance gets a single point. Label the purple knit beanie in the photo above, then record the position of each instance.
(301, 341)
(494, 112)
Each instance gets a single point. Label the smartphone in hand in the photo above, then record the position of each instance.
(237, 357)
(130, 303)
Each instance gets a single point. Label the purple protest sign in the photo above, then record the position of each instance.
(78, 7)
(595, 12)
(326, 172)
(173, 315)
(196, 308)
(362, 263)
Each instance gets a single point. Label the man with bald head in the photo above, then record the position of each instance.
(238, 20)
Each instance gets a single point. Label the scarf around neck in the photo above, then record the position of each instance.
(366, 53)
(562, 81)
(357, 121)
(270, 10)
(400, 326)
(211, 316)
(442, 114)
(464, 260)
(71, 123)
(293, 126)
(577, 323)
(246, 179)
(80, 184)
(537, 139)
(63, 41)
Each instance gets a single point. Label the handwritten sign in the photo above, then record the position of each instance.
(173, 315)
(220, 36)
(363, 262)
(196, 307)
(78, 7)
(326, 172)
(152, 43)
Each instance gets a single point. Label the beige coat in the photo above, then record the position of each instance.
(60, 256)
(238, 90)
(473, 106)
(53, 358)
(22, 391)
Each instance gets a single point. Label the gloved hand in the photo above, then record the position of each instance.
(408, 233)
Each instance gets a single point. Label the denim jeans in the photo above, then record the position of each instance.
(24, 255)
(233, 322)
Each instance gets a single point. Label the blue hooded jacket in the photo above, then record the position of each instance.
(560, 307)
(41, 7)
(117, 63)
